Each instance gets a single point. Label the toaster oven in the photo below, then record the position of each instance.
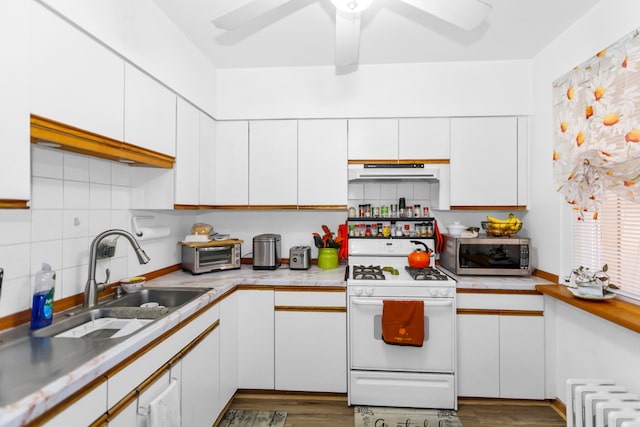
(199, 258)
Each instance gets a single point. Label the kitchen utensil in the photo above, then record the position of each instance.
(420, 258)
(201, 229)
(1, 276)
(317, 240)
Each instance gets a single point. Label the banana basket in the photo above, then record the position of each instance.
(501, 229)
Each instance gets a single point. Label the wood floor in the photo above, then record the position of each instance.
(311, 410)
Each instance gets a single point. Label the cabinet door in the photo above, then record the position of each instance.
(232, 163)
(134, 415)
(200, 381)
(149, 113)
(207, 160)
(255, 339)
(311, 351)
(322, 162)
(484, 161)
(84, 411)
(15, 173)
(74, 79)
(424, 138)
(273, 160)
(373, 139)
(522, 357)
(187, 167)
(228, 348)
(478, 355)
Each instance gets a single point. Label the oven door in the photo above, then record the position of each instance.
(369, 352)
(215, 257)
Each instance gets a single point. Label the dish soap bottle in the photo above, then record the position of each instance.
(42, 306)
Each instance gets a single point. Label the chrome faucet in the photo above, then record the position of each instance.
(92, 288)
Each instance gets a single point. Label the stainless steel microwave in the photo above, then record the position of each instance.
(202, 259)
(488, 256)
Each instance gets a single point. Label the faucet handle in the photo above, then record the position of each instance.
(102, 286)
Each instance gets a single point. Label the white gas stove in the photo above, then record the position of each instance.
(382, 374)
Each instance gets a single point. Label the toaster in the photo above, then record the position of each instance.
(300, 258)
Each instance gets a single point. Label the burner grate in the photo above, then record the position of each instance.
(428, 273)
(361, 272)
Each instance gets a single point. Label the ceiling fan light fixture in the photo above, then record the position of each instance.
(351, 5)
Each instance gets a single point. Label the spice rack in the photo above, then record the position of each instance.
(376, 228)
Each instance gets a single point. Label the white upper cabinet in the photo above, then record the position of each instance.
(273, 158)
(424, 138)
(484, 161)
(232, 163)
(322, 162)
(187, 167)
(15, 174)
(149, 113)
(373, 139)
(74, 79)
(207, 160)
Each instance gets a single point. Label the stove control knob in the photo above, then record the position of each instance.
(369, 292)
(358, 291)
(433, 292)
(444, 292)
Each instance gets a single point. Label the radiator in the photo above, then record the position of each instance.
(600, 403)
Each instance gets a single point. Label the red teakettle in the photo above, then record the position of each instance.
(420, 258)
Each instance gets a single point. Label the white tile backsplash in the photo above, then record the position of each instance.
(46, 163)
(75, 252)
(76, 167)
(379, 194)
(75, 223)
(100, 196)
(76, 195)
(15, 226)
(99, 171)
(67, 187)
(46, 224)
(46, 193)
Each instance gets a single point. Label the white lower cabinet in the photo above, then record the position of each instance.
(255, 339)
(311, 341)
(229, 316)
(84, 411)
(500, 346)
(200, 382)
(135, 414)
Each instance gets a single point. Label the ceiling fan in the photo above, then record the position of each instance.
(466, 14)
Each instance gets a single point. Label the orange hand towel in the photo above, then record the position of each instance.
(403, 322)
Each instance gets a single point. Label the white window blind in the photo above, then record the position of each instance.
(612, 239)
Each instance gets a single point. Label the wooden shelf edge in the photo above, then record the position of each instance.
(617, 311)
(69, 138)
(14, 204)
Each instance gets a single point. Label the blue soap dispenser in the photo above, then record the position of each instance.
(42, 306)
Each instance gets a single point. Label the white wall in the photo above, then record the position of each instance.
(578, 344)
(408, 90)
(142, 33)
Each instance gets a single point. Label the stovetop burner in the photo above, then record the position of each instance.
(371, 272)
(428, 273)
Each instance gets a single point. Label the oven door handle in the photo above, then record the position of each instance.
(377, 302)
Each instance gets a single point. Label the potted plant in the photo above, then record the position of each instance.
(590, 282)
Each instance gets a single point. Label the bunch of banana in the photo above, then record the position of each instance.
(507, 226)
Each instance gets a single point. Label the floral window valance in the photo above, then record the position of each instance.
(597, 127)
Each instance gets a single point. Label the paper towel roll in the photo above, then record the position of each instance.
(148, 233)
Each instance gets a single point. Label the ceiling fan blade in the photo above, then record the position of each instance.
(466, 14)
(347, 38)
(238, 16)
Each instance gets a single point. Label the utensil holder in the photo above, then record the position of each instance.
(327, 258)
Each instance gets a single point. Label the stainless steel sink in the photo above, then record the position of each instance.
(170, 298)
(120, 317)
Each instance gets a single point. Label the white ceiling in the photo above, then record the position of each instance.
(302, 32)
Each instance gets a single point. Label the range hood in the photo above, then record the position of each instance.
(394, 172)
